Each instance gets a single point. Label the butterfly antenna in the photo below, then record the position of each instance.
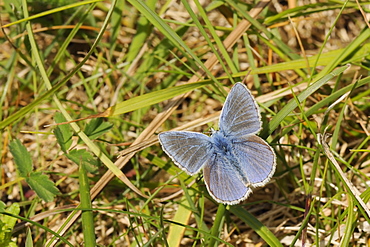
(245, 77)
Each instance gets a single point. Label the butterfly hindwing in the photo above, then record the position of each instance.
(256, 159)
(223, 182)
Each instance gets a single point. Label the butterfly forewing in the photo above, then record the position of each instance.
(189, 150)
(240, 114)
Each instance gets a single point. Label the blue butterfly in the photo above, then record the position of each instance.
(234, 159)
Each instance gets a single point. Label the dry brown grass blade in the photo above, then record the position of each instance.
(161, 117)
(323, 141)
(154, 139)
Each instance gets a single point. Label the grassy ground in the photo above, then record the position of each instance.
(133, 69)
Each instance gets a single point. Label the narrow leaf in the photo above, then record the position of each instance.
(323, 59)
(256, 225)
(52, 11)
(152, 98)
(288, 108)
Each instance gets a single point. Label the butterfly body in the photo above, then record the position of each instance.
(234, 159)
(221, 144)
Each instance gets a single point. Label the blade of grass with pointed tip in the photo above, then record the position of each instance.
(288, 108)
(332, 97)
(151, 98)
(304, 10)
(352, 47)
(324, 59)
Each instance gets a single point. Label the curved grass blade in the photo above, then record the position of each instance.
(52, 11)
(151, 98)
(302, 96)
(324, 60)
(256, 225)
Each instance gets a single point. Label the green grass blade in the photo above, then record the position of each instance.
(288, 108)
(322, 60)
(87, 215)
(170, 34)
(256, 225)
(152, 98)
(53, 11)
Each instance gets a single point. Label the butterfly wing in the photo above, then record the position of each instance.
(188, 150)
(240, 115)
(229, 173)
(257, 160)
(229, 178)
(223, 182)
